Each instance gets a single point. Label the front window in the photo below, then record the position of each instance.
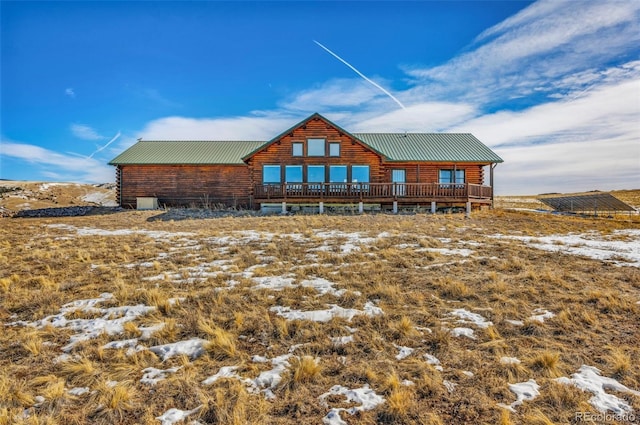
(315, 147)
(338, 173)
(293, 174)
(315, 173)
(360, 173)
(271, 174)
(451, 176)
(297, 149)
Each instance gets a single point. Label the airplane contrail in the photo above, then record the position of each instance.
(362, 75)
(103, 147)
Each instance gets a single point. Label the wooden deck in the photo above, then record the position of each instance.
(409, 193)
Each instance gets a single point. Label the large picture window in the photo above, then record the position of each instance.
(337, 173)
(293, 174)
(271, 174)
(360, 173)
(315, 147)
(315, 173)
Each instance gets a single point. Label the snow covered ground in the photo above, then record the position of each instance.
(621, 247)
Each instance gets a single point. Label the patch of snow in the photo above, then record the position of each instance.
(433, 360)
(450, 386)
(514, 322)
(404, 351)
(269, 379)
(192, 348)
(407, 383)
(540, 315)
(131, 345)
(152, 375)
(462, 252)
(592, 245)
(588, 378)
(274, 283)
(466, 316)
(463, 332)
(100, 198)
(468, 373)
(323, 286)
(341, 340)
(90, 328)
(365, 397)
(354, 241)
(78, 390)
(224, 372)
(174, 415)
(328, 314)
(524, 391)
(91, 231)
(265, 382)
(509, 360)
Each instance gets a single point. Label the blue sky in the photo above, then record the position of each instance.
(552, 86)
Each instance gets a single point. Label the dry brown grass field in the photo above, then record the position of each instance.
(393, 319)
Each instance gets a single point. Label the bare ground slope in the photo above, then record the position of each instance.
(25, 195)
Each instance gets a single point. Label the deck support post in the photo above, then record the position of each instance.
(468, 214)
(284, 207)
(360, 207)
(433, 207)
(321, 207)
(395, 207)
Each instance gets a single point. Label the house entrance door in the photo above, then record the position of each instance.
(399, 177)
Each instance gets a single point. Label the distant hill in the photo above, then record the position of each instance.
(630, 197)
(27, 195)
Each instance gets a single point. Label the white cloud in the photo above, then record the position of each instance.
(579, 144)
(69, 92)
(333, 94)
(535, 49)
(59, 166)
(257, 127)
(422, 117)
(85, 132)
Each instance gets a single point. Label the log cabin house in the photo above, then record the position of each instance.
(314, 163)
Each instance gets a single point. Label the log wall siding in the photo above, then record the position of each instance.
(429, 172)
(185, 184)
(233, 185)
(351, 151)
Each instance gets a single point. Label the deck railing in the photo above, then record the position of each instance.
(367, 191)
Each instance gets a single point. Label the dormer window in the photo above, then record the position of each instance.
(315, 147)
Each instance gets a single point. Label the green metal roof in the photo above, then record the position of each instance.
(186, 152)
(432, 147)
(435, 147)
